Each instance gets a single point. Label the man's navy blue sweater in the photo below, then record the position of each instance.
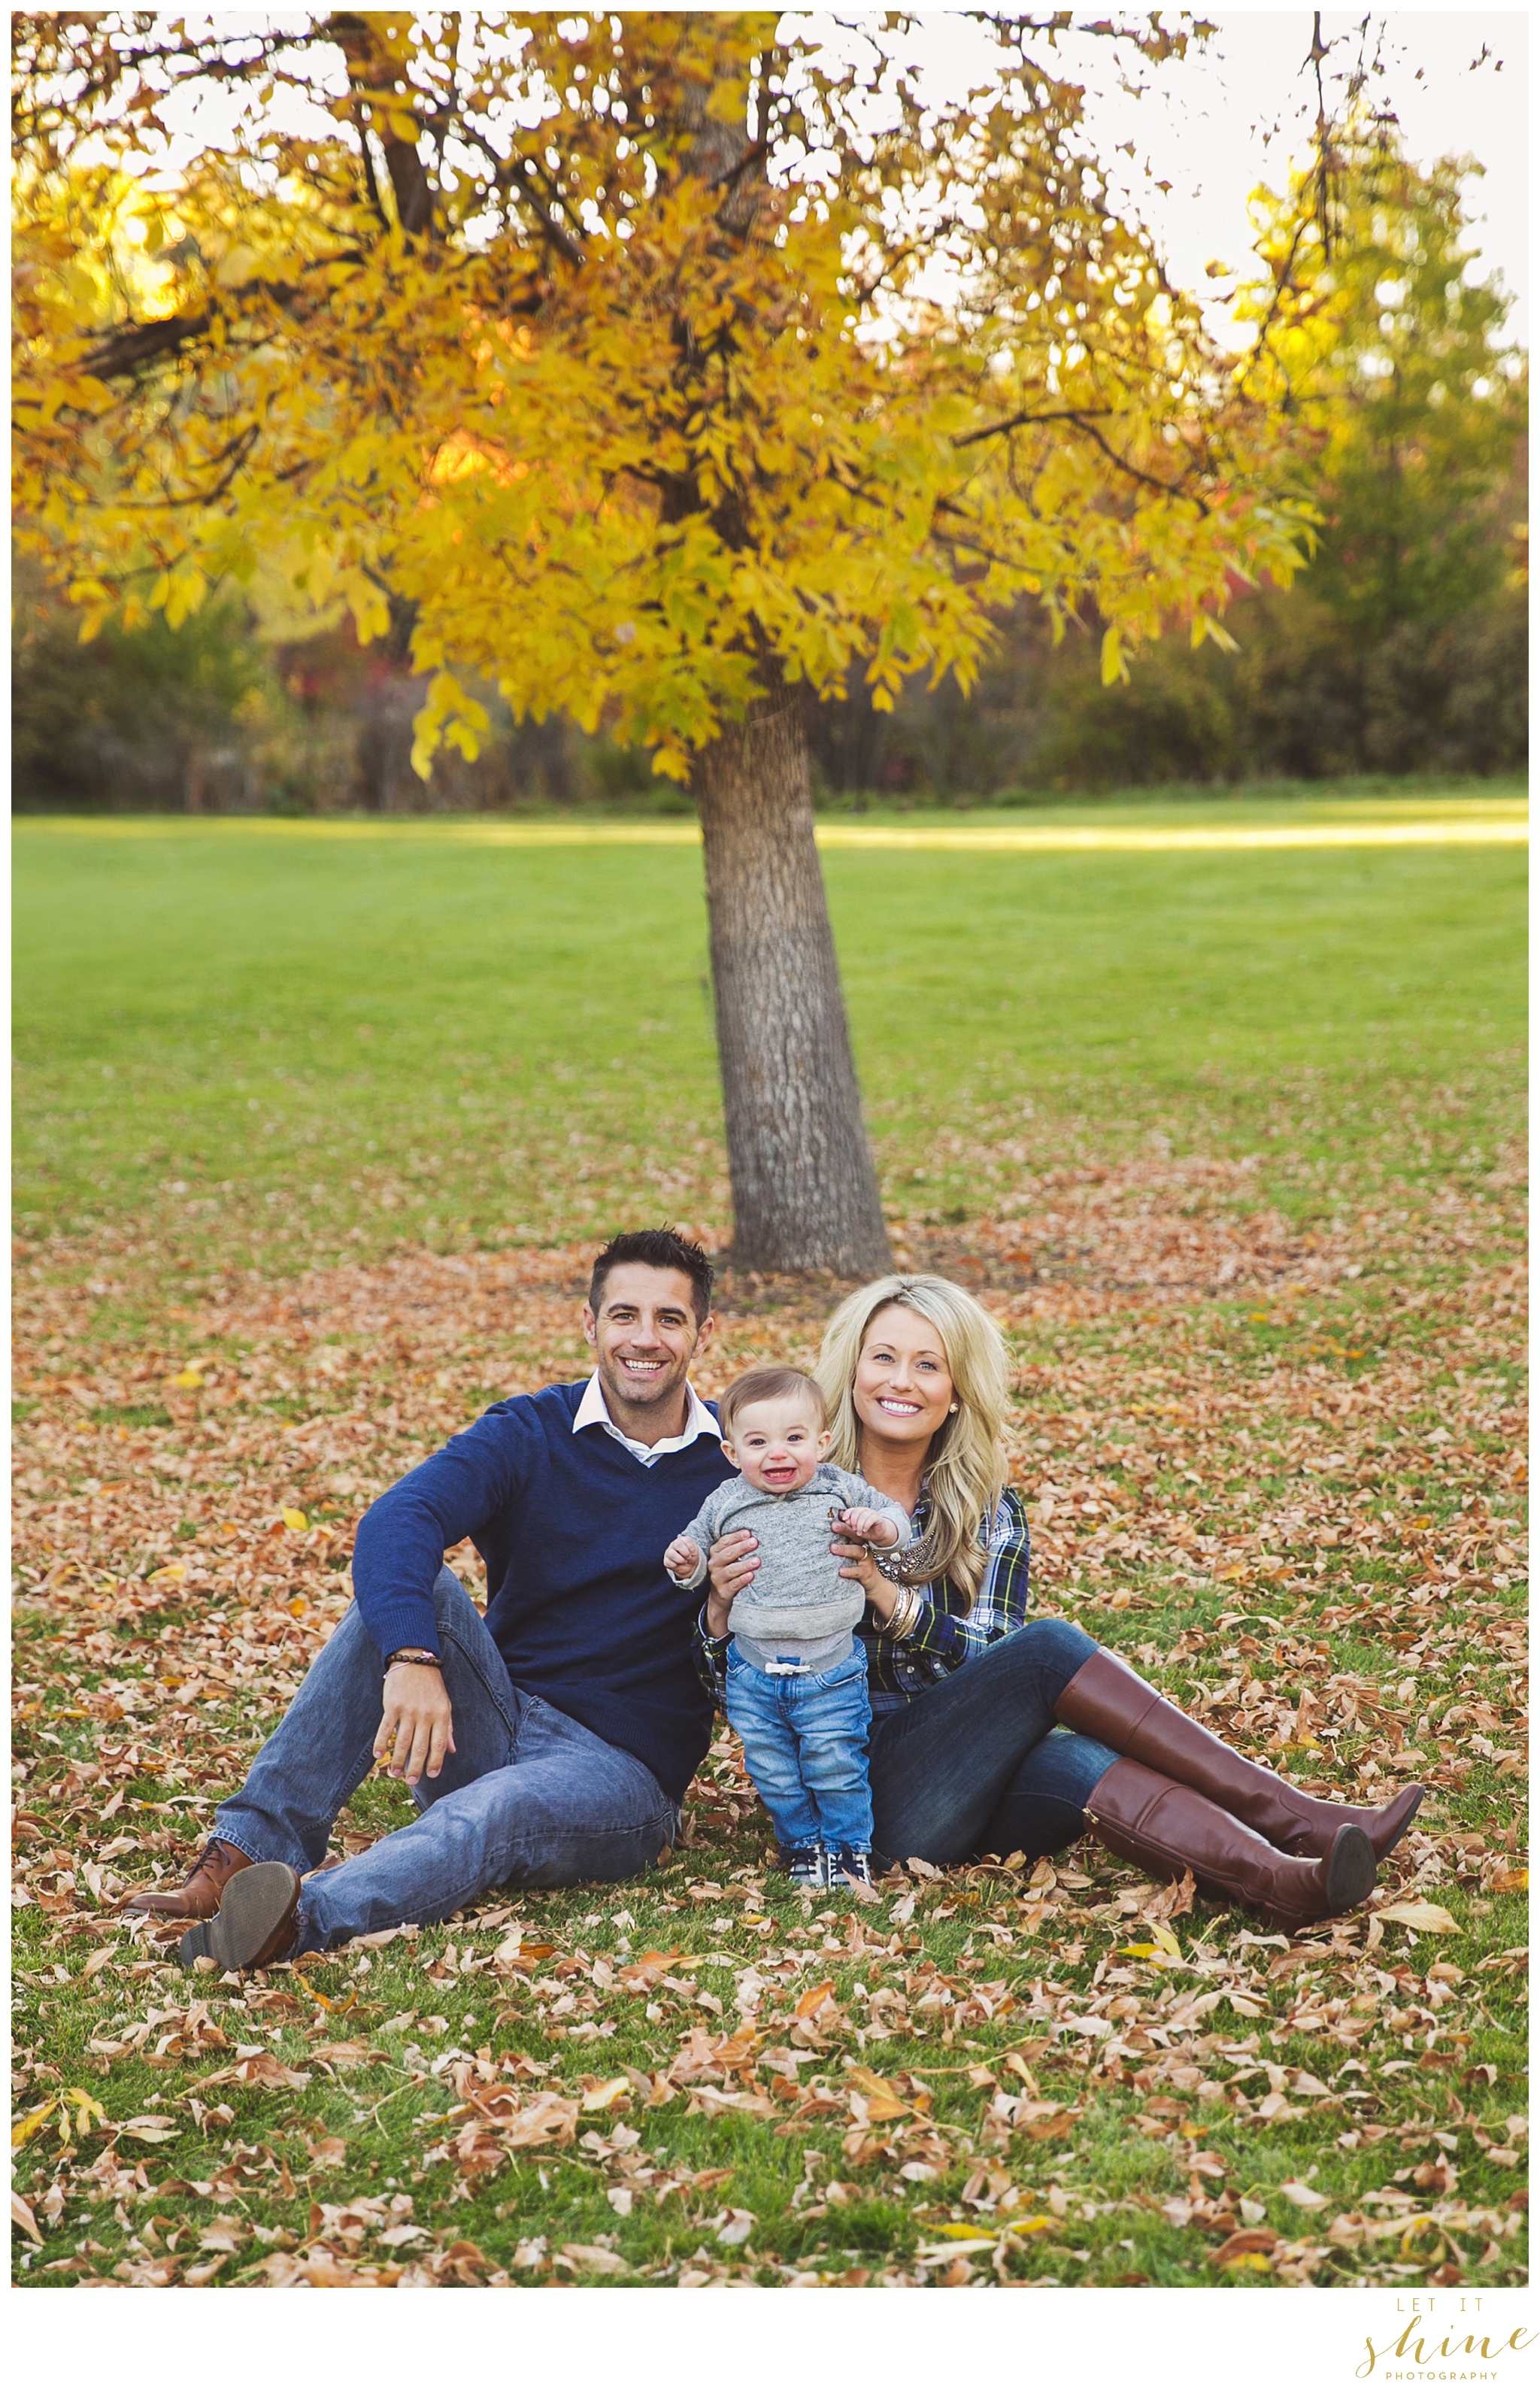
(572, 1530)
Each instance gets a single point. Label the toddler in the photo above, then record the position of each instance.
(796, 1674)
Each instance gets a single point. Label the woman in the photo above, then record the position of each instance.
(994, 1733)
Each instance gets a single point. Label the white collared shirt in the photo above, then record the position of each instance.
(700, 1424)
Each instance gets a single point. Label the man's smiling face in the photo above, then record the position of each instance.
(645, 1335)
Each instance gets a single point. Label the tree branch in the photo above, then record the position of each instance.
(557, 234)
(133, 345)
(140, 345)
(1014, 423)
(1137, 473)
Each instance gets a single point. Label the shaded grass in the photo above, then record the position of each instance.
(1099, 2202)
(1091, 2208)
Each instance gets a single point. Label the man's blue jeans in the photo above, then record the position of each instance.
(529, 1797)
(805, 1741)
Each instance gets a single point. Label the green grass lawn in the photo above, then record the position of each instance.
(394, 1035)
(1228, 1140)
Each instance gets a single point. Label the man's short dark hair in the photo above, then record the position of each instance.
(660, 1250)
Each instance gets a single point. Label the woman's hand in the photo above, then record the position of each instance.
(416, 1720)
(860, 1563)
(730, 1565)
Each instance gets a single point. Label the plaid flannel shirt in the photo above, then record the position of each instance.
(948, 1630)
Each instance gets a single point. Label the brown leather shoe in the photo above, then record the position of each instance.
(201, 1891)
(255, 1924)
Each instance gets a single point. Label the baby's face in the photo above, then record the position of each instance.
(778, 1446)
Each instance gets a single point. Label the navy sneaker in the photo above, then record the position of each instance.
(806, 1866)
(848, 1863)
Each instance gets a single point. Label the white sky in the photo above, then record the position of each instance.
(1239, 110)
(1217, 124)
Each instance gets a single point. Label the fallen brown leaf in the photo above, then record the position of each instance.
(1427, 1919)
(1235, 2247)
(594, 2260)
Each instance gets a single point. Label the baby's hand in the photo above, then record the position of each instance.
(872, 1528)
(683, 1559)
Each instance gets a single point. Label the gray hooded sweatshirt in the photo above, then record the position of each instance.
(797, 1591)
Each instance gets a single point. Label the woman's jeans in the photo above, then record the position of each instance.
(805, 1741)
(529, 1797)
(979, 1765)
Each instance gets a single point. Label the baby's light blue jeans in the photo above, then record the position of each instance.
(805, 1741)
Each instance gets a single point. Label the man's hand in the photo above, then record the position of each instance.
(732, 1563)
(683, 1558)
(417, 1720)
(872, 1528)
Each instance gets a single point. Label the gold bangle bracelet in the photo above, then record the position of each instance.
(905, 1613)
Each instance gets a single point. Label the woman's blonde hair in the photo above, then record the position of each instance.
(965, 1468)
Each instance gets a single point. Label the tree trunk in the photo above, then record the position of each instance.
(805, 1188)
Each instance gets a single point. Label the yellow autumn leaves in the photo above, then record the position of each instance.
(644, 427)
(86, 2108)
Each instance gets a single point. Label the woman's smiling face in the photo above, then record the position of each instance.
(903, 1384)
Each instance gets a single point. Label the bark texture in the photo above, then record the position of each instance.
(805, 1189)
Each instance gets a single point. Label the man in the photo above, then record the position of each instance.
(551, 1742)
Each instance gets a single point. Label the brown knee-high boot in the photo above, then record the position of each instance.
(1108, 1701)
(1165, 1828)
